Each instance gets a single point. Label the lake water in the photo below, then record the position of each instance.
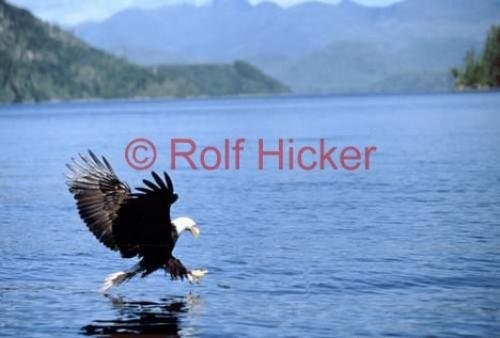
(409, 248)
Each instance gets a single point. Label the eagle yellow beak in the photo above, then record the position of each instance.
(195, 231)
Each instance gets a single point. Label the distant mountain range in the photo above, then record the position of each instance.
(40, 62)
(313, 47)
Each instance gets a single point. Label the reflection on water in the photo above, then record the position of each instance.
(142, 318)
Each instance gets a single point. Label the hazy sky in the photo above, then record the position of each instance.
(71, 12)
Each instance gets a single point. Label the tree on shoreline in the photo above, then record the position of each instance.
(481, 71)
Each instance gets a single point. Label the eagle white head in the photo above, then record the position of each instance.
(185, 223)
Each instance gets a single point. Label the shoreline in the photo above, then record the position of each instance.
(249, 96)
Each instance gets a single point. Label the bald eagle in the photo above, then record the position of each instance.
(137, 224)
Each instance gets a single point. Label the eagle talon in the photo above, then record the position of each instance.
(196, 275)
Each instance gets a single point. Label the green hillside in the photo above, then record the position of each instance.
(482, 71)
(40, 62)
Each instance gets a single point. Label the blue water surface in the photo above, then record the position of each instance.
(409, 248)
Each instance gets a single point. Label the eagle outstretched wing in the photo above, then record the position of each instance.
(136, 224)
(143, 226)
(99, 195)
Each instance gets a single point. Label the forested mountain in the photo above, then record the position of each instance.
(39, 62)
(314, 47)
